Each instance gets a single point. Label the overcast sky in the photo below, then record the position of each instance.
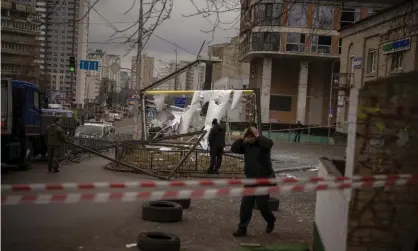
(183, 31)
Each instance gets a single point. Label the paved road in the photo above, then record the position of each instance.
(112, 225)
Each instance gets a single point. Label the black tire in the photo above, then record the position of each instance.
(162, 211)
(185, 203)
(158, 241)
(274, 204)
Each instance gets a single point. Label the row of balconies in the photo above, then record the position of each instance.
(249, 45)
(13, 6)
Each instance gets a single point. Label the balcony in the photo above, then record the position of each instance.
(261, 44)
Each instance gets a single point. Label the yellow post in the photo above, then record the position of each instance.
(172, 92)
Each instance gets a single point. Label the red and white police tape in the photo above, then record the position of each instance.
(199, 194)
(196, 183)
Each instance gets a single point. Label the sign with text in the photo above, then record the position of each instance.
(89, 65)
(357, 62)
(398, 45)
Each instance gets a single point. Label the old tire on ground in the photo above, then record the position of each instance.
(185, 203)
(162, 211)
(274, 204)
(158, 241)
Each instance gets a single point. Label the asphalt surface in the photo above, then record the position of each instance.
(111, 226)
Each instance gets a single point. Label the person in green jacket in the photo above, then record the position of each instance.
(55, 141)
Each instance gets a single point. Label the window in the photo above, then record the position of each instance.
(296, 15)
(321, 44)
(349, 16)
(372, 61)
(267, 14)
(397, 61)
(295, 42)
(323, 17)
(265, 41)
(280, 103)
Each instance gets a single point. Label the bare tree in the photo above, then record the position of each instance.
(155, 13)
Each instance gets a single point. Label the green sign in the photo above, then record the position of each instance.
(399, 45)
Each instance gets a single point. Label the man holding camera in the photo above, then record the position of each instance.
(257, 164)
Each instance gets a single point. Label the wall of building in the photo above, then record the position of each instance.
(230, 65)
(380, 121)
(371, 35)
(147, 71)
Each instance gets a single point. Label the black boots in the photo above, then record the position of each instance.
(270, 227)
(240, 232)
(212, 171)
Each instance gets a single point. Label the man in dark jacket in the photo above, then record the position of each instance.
(55, 141)
(257, 164)
(216, 146)
(298, 132)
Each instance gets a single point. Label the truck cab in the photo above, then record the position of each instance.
(20, 122)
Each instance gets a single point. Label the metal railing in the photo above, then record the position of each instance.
(308, 134)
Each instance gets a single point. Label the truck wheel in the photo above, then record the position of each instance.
(27, 160)
(162, 211)
(157, 241)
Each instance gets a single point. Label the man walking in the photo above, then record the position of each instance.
(216, 141)
(55, 140)
(298, 131)
(257, 164)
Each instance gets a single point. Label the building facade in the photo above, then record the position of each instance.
(231, 65)
(147, 71)
(191, 79)
(63, 39)
(115, 76)
(293, 49)
(20, 47)
(124, 79)
(381, 45)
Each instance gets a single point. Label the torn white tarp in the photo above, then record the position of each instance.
(187, 117)
(236, 98)
(216, 109)
(159, 102)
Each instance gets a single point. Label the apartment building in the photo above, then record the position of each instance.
(41, 13)
(124, 79)
(231, 65)
(63, 39)
(147, 71)
(293, 48)
(380, 45)
(19, 45)
(115, 76)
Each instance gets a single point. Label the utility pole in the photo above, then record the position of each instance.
(175, 79)
(138, 71)
(73, 50)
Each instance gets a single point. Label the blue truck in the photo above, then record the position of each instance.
(23, 122)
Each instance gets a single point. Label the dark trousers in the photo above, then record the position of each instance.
(216, 158)
(53, 158)
(247, 207)
(297, 137)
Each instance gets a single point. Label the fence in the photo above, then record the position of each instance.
(308, 134)
(162, 160)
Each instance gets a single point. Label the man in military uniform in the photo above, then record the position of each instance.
(55, 141)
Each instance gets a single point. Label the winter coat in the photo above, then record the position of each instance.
(257, 159)
(216, 136)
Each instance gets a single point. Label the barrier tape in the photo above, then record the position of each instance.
(197, 194)
(196, 183)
